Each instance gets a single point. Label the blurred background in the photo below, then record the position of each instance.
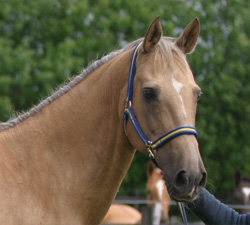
(44, 42)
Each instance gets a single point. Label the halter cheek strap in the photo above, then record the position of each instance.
(129, 114)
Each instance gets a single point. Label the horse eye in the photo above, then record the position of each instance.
(149, 93)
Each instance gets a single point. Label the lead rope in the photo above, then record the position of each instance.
(181, 207)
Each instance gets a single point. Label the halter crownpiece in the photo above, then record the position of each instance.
(129, 114)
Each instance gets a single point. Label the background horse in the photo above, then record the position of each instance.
(242, 191)
(122, 214)
(63, 161)
(157, 191)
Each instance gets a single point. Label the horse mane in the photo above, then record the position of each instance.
(165, 48)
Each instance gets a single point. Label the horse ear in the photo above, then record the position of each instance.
(150, 169)
(153, 35)
(188, 40)
(237, 176)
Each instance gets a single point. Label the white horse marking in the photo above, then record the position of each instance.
(246, 192)
(158, 205)
(157, 213)
(178, 86)
(160, 187)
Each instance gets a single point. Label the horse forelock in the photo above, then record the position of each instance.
(157, 170)
(168, 50)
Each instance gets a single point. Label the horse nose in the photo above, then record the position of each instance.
(186, 181)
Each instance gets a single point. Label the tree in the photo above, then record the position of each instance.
(223, 116)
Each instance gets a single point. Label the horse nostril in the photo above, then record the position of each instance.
(181, 179)
(203, 180)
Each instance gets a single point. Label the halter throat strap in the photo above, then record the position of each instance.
(151, 146)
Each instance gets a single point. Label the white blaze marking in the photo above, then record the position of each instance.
(157, 213)
(160, 187)
(246, 192)
(178, 86)
(158, 205)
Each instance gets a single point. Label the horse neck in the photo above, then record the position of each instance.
(77, 143)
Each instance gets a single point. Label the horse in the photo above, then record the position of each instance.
(122, 214)
(63, 161)
(242, 191)
(157, 191)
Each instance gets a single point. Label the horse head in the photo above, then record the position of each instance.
(165, 97)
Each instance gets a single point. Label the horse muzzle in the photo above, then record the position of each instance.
(185, 186)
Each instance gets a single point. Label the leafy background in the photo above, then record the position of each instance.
(44, 42)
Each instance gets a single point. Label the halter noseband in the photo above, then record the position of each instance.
(129, 114)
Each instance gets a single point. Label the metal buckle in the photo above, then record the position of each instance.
(150, 150)
(128, 104)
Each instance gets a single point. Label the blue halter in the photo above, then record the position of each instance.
(151, 146)
(129, 114)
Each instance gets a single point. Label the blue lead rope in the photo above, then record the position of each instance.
(151, 146)
(181, 207)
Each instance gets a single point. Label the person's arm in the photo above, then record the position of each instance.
(212, 211)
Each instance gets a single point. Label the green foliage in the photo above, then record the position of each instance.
(43, 42)
(223, 73)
